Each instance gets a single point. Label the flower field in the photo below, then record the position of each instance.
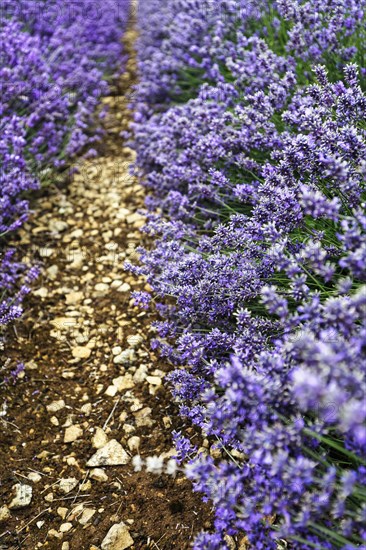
(57, 59)
(249, 137)
(251, 140)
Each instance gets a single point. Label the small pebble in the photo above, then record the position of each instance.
(56, 406)
(98, 474)
(66, 485)
(99, 439)
(23, 496)
(62, 512)
(4, 513)
(124, 288)
(72, 434)
(34, 477)
(81, 352)
(134, 443)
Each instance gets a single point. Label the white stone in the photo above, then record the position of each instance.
(112, 454)
(101, 288)
(69, 421)
(140, 374)
(74, 298)
(143, 417)
(23, 496)
(116, 284)
(154, 380)
(167, 421)
(58, 226)
(122, 213)
(34, 477)
(56, 406)
(81, 352)
(4, 513)
(98, 474)
(54, 534)
(129, 429)
(135, 217)
(67, 484)
(78, 260)
(111, 391)
(62, 512)
(68, 375)
(99, 439)
(230, 542)
(134, 443)
(118, 538)
(127, 356)
(124, 288)
(134, 340)
(41, 292)
(124, 382)
(136, 405)
(86, 516)
(52, 272)
(86, 409)
(72, 433)
(46, 252)
(86, 486)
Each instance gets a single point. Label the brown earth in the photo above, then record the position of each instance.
(78, 314)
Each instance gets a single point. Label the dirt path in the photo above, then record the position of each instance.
(90, 376)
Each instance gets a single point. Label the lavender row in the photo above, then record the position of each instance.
(57, 59)
(250, 135)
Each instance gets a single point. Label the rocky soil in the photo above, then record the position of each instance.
(92, 394)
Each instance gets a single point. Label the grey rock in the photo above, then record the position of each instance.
(127, 356)
(98, 474)
(112, 454)
(23, 496)
(72, 433)
(66, 485)
(99, 439)
(118, 538)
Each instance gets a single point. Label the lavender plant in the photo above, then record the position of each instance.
(250, 134)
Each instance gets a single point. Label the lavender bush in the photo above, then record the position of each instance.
(250, 135)
(56, 61)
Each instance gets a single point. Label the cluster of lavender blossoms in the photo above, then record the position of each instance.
(57, 58)
(250, 136)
